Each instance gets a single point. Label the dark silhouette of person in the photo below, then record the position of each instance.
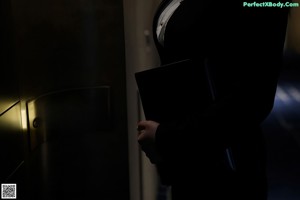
(219, 153)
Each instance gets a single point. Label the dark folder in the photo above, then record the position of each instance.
(169, 91)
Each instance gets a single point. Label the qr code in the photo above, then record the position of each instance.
(8, 191)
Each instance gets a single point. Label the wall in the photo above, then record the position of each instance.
(140, 54)
(293, 29)
(12, 140)
(53, 46)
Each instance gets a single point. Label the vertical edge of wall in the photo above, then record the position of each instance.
(140, 54)
(131, 64)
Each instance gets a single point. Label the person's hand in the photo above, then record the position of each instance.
(146, 139)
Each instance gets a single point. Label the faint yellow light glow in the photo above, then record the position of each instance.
(24, 119)
(11, 119)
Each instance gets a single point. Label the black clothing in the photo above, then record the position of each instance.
(242, 48)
